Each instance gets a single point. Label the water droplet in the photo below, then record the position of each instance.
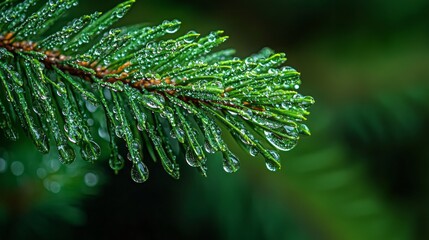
(291, 130)
(191, 158)
(211, 37)
(208, 147)
(180, 134)
(152, 104)
(304, 129)
(253, 151)
(140, 127)
(139, 172)
(272, 166)
(190, 37)
(173, 26)
(230, 162)
(232, 112)
(66, 154)
(90, 151)
(119, 14)
(281, 143)
(271, 161)
(116, 163)
(38, 106)
(247, 114)
(119, 131)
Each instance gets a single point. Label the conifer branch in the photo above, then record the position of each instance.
(162, 97)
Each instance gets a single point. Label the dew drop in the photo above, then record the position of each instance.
(253, 151)
(271, 165)
(211, 37)
(208, 147)
(120, 13)
(66, 154)
(174, 26)
(180, 134)
(271, 161)
(119, 131)
(232, 112)
(139, 172)
(279, 142)
(304, 129)
(191, 158)
(116, 163)
(90, 151)
(38, 106)
(152, 104)
(230, 162)
(291, 131)
(190, 37)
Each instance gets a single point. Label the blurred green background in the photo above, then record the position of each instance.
(363, 174)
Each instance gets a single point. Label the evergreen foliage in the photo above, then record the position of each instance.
(166, 98)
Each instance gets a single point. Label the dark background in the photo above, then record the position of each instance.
(363, 174)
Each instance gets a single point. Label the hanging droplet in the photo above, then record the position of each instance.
(116, 163)
(90, 151)
(281, 143)
(253, 151)
(203, 170)
(230, 162)
(191, 158)
(271, 161)
(303, 129)
(271, 165)
(180, 134)
(119, 131)
(66, 154)
(152, 104)
(38, 107)
(139, 172)
(208, 147)
(40, 140)
(291, 130)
